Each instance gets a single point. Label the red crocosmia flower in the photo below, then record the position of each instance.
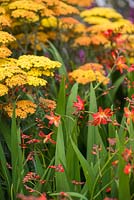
(58, 168)
(108, 189)
(131, 68)
(24, 136)
(77, 182)
(53, 119)
(102, 116)
(127, 154)
(108, 33)
(127, 169)
(132, 97)
(112, 141)
(47, 138)
(42, 197)
(129, 114)
(63, 194)
(32, 141)
(120, 64)
(115, 163)
(79, 105)
(23, 197)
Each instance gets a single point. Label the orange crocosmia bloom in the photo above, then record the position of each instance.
(102, 116)
(120, 64)
(129, 114)
(53, 119)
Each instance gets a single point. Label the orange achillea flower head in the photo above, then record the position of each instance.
(23, 109)
(5, 21)
(129, 114)
(69, 20)
(102, 116)
(64, 9)
(84, 3)
(53, 119)
(4, 52)
(82, 41)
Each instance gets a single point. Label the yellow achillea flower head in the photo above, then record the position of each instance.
(26, 5)
(38, 73)
(2, 10)
(109, 13)
(10, 71)
(6, 38)
(28, 10)
(35, 81)
(101, 78)
(27, 62)
(27, 70)
(3, 90)
(16, 80)
(49, 22)
(83, 77)
(88, 73)
(8, 62)
(23, 109)
(96, 20)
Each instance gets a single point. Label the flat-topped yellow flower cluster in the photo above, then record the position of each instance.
(26, 70)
